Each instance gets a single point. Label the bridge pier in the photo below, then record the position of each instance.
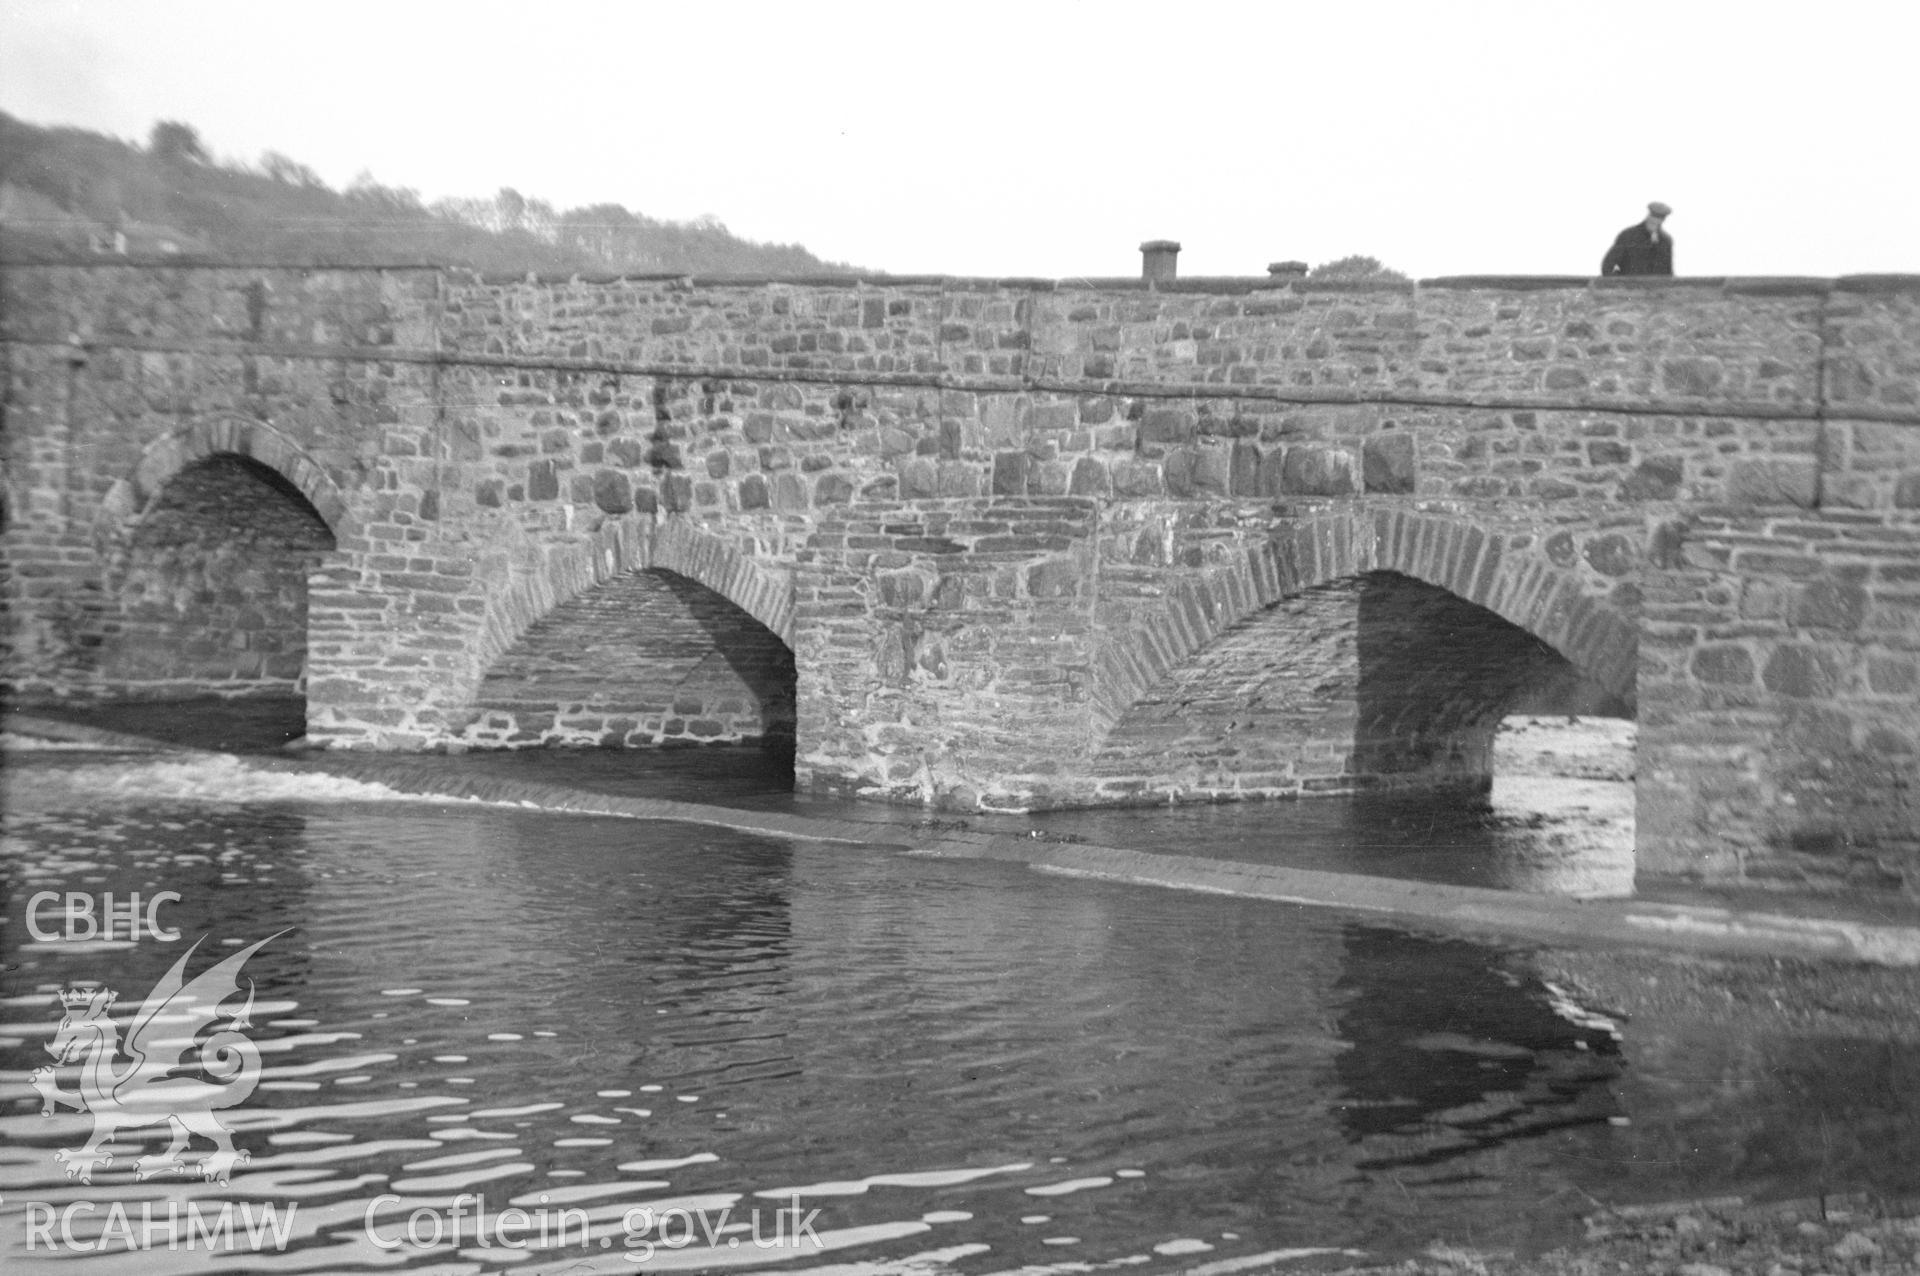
(945, 651)
(1780, 685)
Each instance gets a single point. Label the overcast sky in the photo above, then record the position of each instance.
(1049, 138)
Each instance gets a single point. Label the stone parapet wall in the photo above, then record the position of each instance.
(202, 307)
(1870, 363)
(798, 398)
(1701, 342)
(625, 395)
(1754, 347)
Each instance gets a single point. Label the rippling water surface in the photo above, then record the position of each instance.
(960, 1065)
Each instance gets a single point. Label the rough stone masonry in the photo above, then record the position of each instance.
(1005, 544)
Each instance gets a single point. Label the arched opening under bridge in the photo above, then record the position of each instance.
(205, 601)
(648, 659)
(1392, 693)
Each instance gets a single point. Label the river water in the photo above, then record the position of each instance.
(678, 1047)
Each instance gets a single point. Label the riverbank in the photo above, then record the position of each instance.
(1852, 1021)
(1728, 1237)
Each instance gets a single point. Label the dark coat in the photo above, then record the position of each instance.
(1635, 251)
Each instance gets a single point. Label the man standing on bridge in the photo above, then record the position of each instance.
(1642, 248)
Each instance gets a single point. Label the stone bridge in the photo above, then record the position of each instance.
(1006, 544)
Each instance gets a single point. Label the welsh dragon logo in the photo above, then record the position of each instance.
(149, 1089)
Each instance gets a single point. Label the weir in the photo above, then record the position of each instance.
(1022, 545)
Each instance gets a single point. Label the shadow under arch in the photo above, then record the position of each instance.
(1343, 651)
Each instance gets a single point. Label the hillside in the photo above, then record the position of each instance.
(68, 193)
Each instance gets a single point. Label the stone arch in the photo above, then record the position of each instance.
(623, 545)
(609, 645)
(705, 559)
(133, 494)
(1348, 650)
(1490, 568)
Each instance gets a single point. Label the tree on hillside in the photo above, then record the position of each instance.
(386, 201)
(606, 233)
(288, 171)
(468, 210)
(172, 142)
(507, 213)
(1357, 268)
(510, 209)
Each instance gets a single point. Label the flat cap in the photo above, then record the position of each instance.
(1659, 209)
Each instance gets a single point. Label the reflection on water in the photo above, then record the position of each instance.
(959, 1063)
(259, 724)
(1441, 1031)
(1405, 835)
